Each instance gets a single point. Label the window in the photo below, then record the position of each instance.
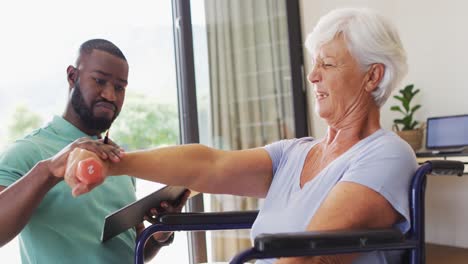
(248, 60)
(39, 43)
(262, 58)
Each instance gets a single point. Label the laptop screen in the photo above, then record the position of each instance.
(447, 131)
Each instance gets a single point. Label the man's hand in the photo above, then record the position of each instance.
(63, 164)
(81, 178)
(166, 207)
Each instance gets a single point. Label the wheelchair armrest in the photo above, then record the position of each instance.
(331, 242)
(194, 222)
(447, 167)
(233, 217)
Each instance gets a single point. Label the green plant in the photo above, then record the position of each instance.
(406, 95)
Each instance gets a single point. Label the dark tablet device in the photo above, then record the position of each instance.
(132, 214)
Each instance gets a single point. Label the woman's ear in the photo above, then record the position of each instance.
(375, 75)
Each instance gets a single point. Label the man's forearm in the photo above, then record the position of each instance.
(151, 249)
(153, 246)
(19, 200)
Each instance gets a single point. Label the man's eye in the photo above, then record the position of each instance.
(100, 81)
(327, 65)
(119, 88)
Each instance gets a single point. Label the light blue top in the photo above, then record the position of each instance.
(382, 162)
(64, 229)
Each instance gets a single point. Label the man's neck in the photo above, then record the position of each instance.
(75, 120)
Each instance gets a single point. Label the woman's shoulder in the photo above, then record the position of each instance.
(286, 146)
(294, 141)
(305, 140)
(298, 142)
(392, 141)
(387, 143)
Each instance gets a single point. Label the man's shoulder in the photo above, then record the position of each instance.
(21, 149)
(17, 159)
(30, 147)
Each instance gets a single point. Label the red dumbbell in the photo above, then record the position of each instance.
(89, 171)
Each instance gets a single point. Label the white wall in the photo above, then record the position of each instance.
(435, 36)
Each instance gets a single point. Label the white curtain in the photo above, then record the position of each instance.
(250, 84)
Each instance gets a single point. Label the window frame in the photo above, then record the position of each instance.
(186, 87)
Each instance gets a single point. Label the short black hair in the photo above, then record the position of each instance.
(99, 44)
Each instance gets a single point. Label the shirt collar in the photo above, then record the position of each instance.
(67, 129)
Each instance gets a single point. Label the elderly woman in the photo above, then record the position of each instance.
(356, 177)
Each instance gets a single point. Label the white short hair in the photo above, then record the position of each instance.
(370, 39)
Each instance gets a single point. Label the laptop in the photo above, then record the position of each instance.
(446, 135)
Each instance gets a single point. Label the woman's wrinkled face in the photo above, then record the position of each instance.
(338, 82)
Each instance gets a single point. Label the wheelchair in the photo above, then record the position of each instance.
(314, 243)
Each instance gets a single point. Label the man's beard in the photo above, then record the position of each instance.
(86, 113)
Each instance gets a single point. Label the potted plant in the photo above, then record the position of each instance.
(407, 127)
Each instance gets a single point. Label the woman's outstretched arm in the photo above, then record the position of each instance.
(200, 168)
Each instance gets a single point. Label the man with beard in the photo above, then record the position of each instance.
(55, 227)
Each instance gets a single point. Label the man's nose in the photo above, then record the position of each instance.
(108, 93)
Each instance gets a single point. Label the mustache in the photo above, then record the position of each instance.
(106, 102)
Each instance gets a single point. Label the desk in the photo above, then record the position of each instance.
(436, 254)
(463, 157)
(446, 210)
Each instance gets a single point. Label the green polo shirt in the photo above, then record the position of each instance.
(64, 229)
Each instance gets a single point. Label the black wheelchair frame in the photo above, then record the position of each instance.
(314, 243)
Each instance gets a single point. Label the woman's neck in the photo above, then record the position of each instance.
(353, 128)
